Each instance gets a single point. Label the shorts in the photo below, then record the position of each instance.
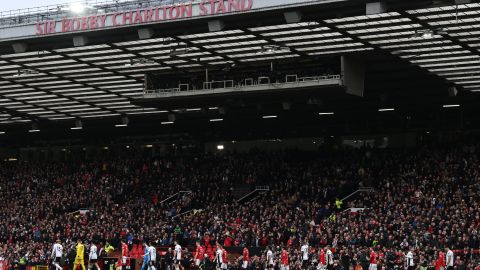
(57, 260)
(197, 262)
(284, 267)
(270, 266)
(223, 266)
(151, 263)
(372, 266)
(304, 263)
(245, 264)
(124, 260)
(93, 260)
(79, 261)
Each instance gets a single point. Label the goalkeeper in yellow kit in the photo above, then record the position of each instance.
(80, 253)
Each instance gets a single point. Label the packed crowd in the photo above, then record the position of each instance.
(424, 200)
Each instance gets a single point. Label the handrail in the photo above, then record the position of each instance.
(176, 194)
(363, 189)
(257, 189)
(230, 84)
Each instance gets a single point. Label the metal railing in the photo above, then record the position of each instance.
(257, 191)
(58, 12)
(245, 84)
(360, 190)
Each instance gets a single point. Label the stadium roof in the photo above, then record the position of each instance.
(55, 81)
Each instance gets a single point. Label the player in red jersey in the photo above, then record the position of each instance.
(373, 260)
(224, 265)
(440, 262)
(284, 260)
(322, 259)
(199, 254)
(124, 254)
(246, 258)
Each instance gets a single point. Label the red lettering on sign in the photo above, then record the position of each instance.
(249, 5)
(148, 15)
(65, 25)
(174, 12)
(51, 27)
(138, 17)
(40, 28)
(103, 18)
(212, 7)
(165, 12)
(84, 22)
(93, 22)
(114, 19)
(141, 16)
(187, 10)
(203, 9)
(127, 17)
(221, 7)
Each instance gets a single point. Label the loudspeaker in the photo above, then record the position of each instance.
(452, 91)
(215, 25)
(145, 33)
(79, 41)
(293, 16)
(375, 8)
(20, 47)
(353, 75)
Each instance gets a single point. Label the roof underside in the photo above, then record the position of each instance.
(96, 81)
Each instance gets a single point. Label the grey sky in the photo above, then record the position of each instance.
(7, 5)
(20, 4)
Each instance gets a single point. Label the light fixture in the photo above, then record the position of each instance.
(124, 123)
(167, 123)
(179, 51)
(216, 120)
(326, 113)
(386, 109)
(148, 146)
(193, 110)
(25, 71)
(34, 128)
(213, 108)
(451, 105)
(220, 147)
(269, 116)
(2, 132)
(105, 148)
(78, 125)
(272, 49)
(139, 61)
(428, 33)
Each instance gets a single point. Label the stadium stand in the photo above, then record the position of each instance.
(425, 199)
